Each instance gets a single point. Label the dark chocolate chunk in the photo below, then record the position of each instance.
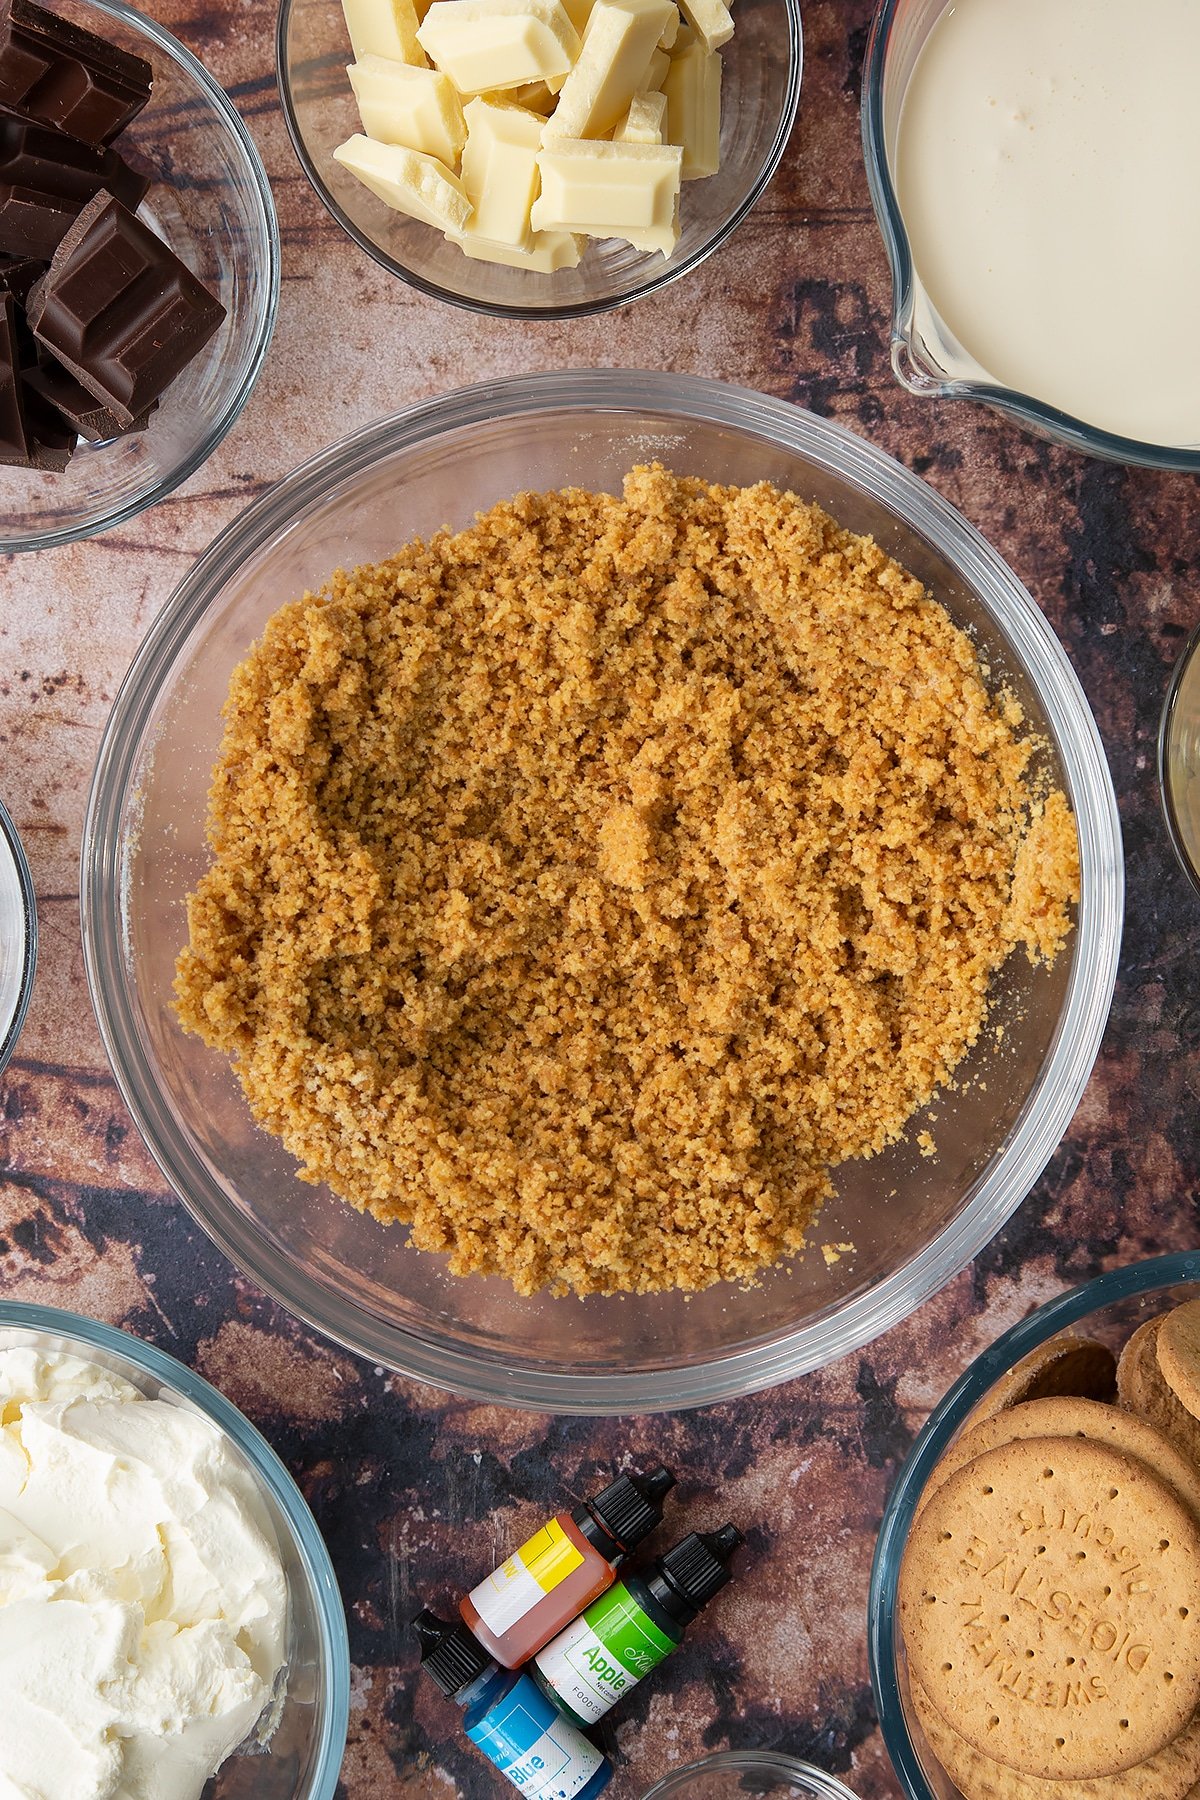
(62, 75)
(18, 274)
(52, 441)
(120, 310)
(88, 417)
(15, 448)
(47, 178)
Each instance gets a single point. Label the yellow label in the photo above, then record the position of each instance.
(550, 1556)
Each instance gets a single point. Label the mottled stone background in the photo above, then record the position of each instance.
(411, 1487)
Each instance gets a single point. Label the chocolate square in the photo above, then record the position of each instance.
(119, 309)
(47, 178)
(59, 73)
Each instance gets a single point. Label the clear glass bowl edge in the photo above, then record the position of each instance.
(581, 309)
(179, 52)
(173, 1374)
(1058, 1315)
(909, 369)
(442, 1364)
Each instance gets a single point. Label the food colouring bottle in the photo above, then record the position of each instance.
(511, 1721)
(570, 1562)
(627, 1632)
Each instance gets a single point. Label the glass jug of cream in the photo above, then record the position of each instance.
(1032, 164)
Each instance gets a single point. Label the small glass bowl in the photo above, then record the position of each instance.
(1109, 1308)
(760, 94)
(1179, 760)
(303, 1757)
(926, 359)
(212, 203)
(914, 1221)
(748, 1775)
(18, 937)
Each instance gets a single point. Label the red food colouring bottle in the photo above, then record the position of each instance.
(569, 1563)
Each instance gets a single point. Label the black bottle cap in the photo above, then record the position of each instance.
(449, 1654)
(630, 1507)
(687, 1577)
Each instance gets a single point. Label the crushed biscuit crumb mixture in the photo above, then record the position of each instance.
(592, 881)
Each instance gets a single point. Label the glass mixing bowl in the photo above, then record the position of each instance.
(1179, 759)
(212, 203)
(304, 1755)
(743, 1774)
(1109, 1308)
(18, 937)
(914, 1221)
(926, 357)
(761, 67)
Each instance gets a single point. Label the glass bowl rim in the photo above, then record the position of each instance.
(1166, 792)
(93, 1334)
(753, 1762)
(1031, 1141)
(225, 110)
(1036, 414)
(13, 844)
(1065, 1310)
(576, 309)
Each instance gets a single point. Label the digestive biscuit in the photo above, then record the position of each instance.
(1050, 1605)
(1143, 1388)
(1178, 1347)
(1065, 1365)
(1171, 1775)
(1071, 1418)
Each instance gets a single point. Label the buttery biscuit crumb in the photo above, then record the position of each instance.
(591, 882)
(833, 1253)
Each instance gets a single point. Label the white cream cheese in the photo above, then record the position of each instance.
(1046, 169)
(143, 1607)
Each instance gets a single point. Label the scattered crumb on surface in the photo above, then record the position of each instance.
(833, 1253)
(926, 1144)
(590, 882)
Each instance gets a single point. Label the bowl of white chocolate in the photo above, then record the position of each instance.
(170, 1622)
(539, 158)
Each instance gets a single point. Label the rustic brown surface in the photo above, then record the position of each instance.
(412, 1487)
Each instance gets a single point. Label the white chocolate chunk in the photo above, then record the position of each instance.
(418, 108)
(671, 31)
(656, 73)
(711, 19)
(643, 123)
(609, 190)
(664, 238)
(693, 90)
(535, 95)
(500, 171)
(494, 44)
(384, 28)
(408, 182)
(548, 251)
(621, 38)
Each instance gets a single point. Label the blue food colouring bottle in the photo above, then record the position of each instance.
(509, 1719)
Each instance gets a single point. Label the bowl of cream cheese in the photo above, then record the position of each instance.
(1030, 169)
(170, 1623)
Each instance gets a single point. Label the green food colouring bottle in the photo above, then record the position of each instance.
(627, 1632)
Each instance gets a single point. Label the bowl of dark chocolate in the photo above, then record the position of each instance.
(139, 267)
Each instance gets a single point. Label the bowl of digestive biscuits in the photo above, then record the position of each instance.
(632, 934)
(1035, 1599)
